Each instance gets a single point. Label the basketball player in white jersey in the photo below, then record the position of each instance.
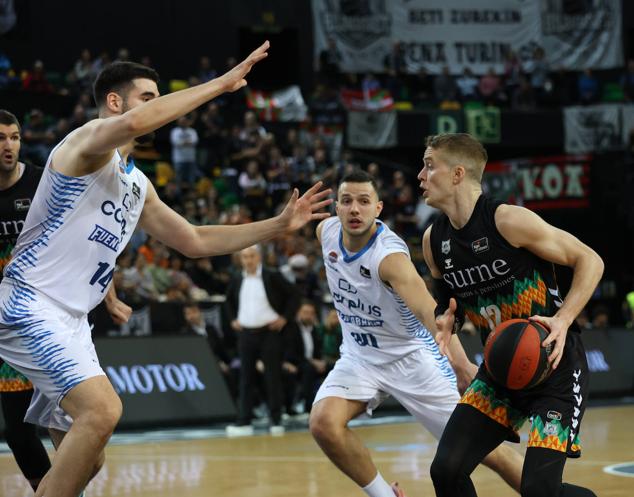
(385, 312)
(85, 209)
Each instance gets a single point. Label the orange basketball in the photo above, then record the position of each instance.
(514, 356)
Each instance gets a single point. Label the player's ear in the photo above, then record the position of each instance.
(458, 174)
(379, 207)
(114, 103)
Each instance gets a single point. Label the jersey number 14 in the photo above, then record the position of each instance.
(102, 276)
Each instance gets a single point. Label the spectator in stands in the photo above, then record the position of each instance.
(205, 71)
(123, 55)
(206, 277)
(467, 86)
(583, 320)
(588, 87)
(395, 67)
(330, 338)
(278, 177)
(36, 81)
(490, 88)
(302, 365)
(627, 81)
(298, 272)
(212, 132)
(369, 84)
(524, 96)
(260, 302)
(220, 343)
(79, 117)
(184, 140)
(537, 70)
(7, 76)
(600, 317)
(302, 166)
(422, 87)
(253, 189)
(330, 62)
(445, 89)
(251, 127)
(37, 139)
(81, 76)
(512, 73)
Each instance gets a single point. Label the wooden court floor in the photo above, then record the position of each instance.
(293, 466)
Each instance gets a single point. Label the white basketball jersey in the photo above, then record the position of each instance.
(74, 231)
(376, 324)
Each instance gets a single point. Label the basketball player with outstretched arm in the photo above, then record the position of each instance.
(84, 212)
(494, 262)
(385, 312)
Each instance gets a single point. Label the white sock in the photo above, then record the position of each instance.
(378, 488)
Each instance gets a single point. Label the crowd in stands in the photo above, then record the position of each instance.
(221, 165)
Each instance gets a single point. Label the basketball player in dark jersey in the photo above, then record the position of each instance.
(18, 183)
(495, 262)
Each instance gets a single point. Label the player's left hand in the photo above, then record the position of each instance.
(119, 311)
(301, 210)
(233, 80)
(558, 330)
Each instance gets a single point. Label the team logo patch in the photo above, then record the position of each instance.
(445, 247)
(332, 256)
(480, 245)
(22, 204)
(554, 415)
(136, 191)
(104, 237)
(365, 272)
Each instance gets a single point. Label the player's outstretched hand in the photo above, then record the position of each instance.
(444, 325)
(301, 210)
(233, 80)
(558, 330)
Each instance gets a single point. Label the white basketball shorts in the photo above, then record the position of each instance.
(422, 382)
(49, 345)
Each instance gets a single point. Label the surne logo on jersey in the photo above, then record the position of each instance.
(445, 247)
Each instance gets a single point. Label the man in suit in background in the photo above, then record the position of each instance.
(260, 302)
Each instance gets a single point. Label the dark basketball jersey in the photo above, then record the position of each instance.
(14, 206)
(492, 280)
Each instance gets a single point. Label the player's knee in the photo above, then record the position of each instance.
(104, 416)
(534, 486)
(443, 469)
(324, 427)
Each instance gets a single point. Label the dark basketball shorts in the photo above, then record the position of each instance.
(555, 407)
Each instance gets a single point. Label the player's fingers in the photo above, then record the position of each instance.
(321, 205)
(319, 195)
(318, 216)
(313, 189)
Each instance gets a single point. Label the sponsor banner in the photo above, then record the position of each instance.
(484, 124)
(372, 129)
(448, 121)
(459, 33)
(541, 183)
(165, 380)
(582, 34)
(595, 128)
(286, 104)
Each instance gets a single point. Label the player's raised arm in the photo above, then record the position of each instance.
(200, 241)
(122, 120)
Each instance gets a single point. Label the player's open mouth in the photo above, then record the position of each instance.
(355, 223)
(8, 156)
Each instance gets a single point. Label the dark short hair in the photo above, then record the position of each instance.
(118, 76)
(7, 118)
(360, 176)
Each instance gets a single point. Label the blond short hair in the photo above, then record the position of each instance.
(461, 148)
